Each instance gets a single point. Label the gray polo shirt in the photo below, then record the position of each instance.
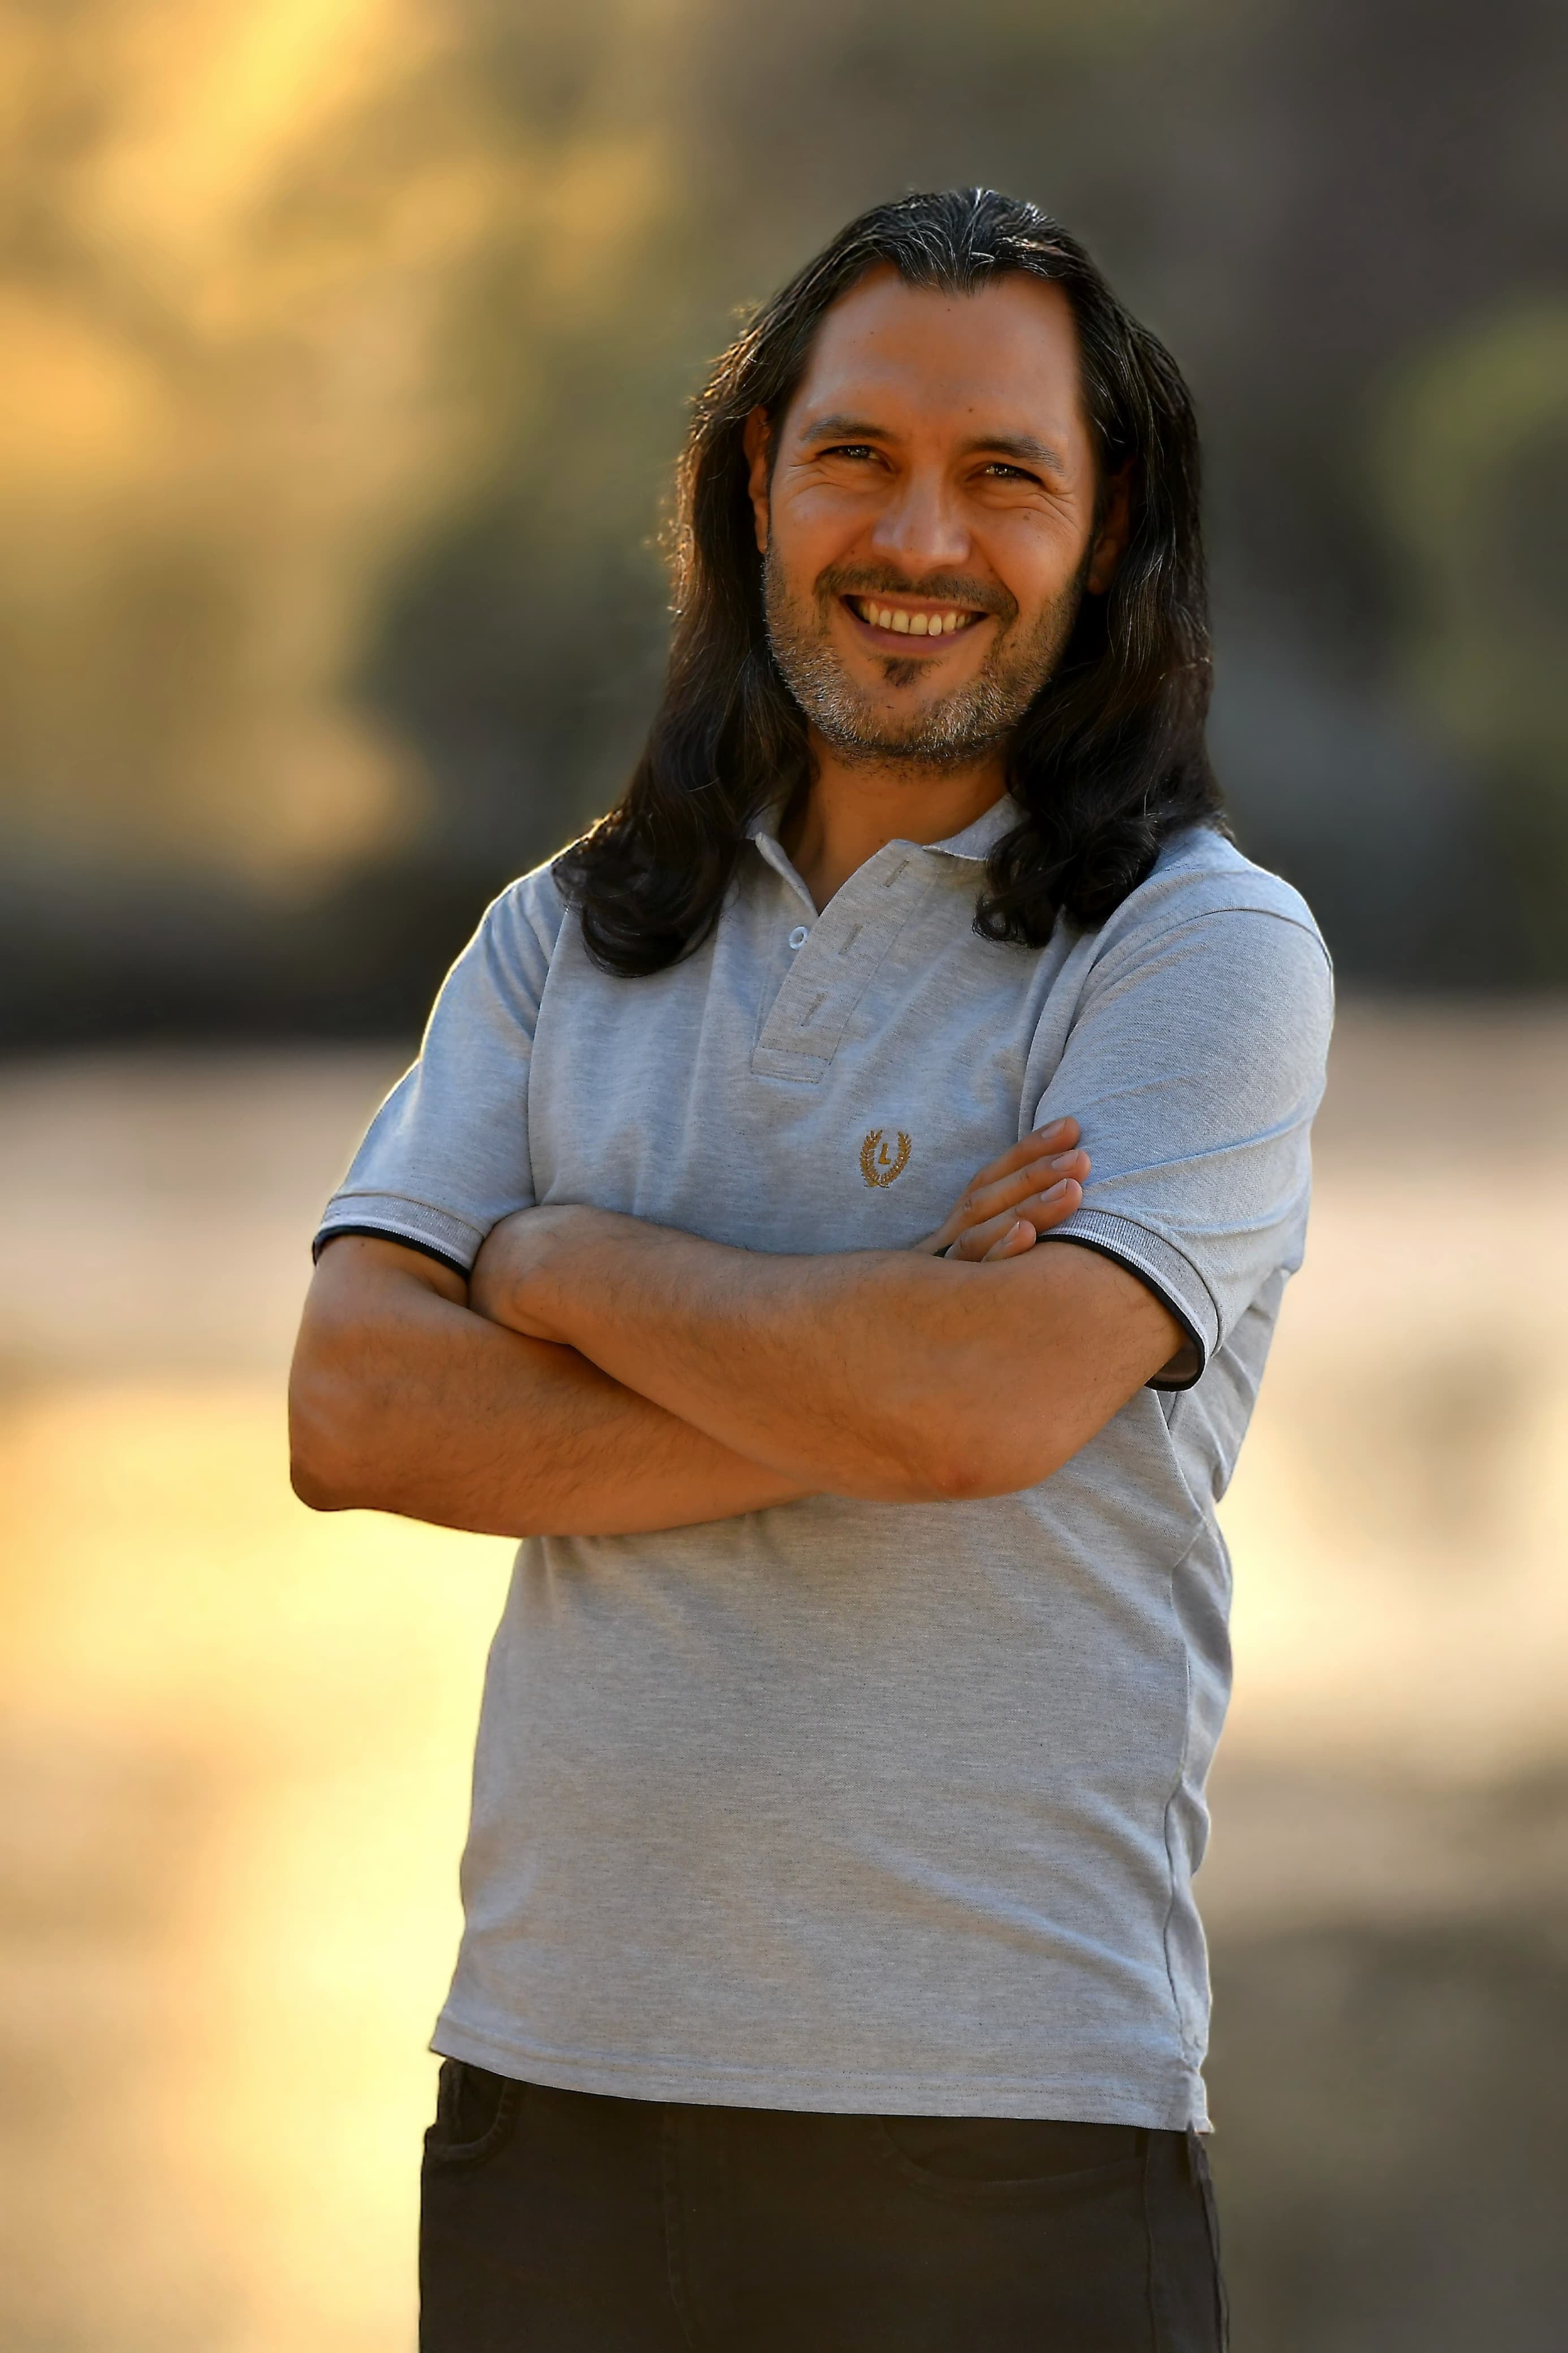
(856, 1805)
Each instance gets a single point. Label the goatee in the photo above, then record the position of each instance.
(942, 733)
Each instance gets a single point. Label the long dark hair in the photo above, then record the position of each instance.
(1109, 758)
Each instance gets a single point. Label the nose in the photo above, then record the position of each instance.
(920, 528)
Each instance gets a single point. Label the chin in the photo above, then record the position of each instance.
(902, 745)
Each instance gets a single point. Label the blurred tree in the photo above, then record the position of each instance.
(348, 345)
(185, 474)
(522, 642)
(519, 642)
(233, 240)
(1472, 467)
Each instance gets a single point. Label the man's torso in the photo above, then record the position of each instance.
(847, 1806)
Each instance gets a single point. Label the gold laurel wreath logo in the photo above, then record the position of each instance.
(877, 1165)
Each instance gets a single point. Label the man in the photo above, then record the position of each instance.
(831, 1975)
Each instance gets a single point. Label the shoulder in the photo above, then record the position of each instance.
(1210, 944)
(1201, 872)
(530, 911)
(519, 932)
(501, 974)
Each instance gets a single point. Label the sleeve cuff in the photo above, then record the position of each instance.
(452, 1240)
(1174, 1279)
(379, 1233)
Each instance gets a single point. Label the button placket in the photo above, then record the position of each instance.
(830, 970)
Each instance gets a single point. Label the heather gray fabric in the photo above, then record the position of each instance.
(849, 1806)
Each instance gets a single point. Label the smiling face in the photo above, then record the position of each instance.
(927, 513)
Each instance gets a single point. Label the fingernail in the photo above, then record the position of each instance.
(1064, 1160)
(1059, 1186)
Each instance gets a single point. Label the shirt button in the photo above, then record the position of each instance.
(799, 936)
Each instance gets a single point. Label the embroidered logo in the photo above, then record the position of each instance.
(879, 1164)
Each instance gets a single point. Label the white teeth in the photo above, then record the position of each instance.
(913, 625)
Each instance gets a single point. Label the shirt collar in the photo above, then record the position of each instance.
(976, 841)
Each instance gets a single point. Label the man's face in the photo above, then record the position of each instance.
(927, 516)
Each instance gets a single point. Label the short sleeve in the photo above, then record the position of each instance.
(447, 1156)
(1194, 1066)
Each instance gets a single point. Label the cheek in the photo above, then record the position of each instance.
(820, 526)
(1036, 556)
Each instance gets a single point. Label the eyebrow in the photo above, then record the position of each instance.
(843, 428)
(1021, 446)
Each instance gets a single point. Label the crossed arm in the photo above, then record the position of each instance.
(599, 1376)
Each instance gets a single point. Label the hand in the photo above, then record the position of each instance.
(1014, 1199)
(1004, 1208)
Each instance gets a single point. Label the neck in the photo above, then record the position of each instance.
(847, 812)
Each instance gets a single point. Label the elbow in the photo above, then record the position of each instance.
(964, 1475)
(971, 1478)
(911, 1463)
(974, 1479)
(965, 1464)
(314, 1485)
(323, 1467)
(317, 1481)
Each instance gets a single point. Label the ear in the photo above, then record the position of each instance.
(757, 442)
(1114, 525)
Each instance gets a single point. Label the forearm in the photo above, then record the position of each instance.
(405, 1400)
(890, 1375)
(857, 1372)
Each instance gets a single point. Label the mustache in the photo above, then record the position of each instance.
(937, 587)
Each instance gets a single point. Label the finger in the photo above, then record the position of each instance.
(980, 1198)
(1037, 1177)
(1041, 1211)
(1019, 1236)
(1056, 1135)
(993, 1208)
(976, 1241)
(982, 1202)
(1049, 1208)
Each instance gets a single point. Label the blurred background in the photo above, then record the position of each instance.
(346, 349)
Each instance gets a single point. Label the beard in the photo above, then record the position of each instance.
(945, 730)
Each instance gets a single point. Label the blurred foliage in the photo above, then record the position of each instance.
(1474, 469)
(348, 344)
(238, 239)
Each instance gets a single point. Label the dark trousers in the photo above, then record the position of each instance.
(557, 2222)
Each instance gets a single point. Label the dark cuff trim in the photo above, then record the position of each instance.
(389, 1234)
(1164, 1379)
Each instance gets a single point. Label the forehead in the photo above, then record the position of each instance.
(1004, 359)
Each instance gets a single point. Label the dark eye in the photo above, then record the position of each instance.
(1013, 473)
(848, 449)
